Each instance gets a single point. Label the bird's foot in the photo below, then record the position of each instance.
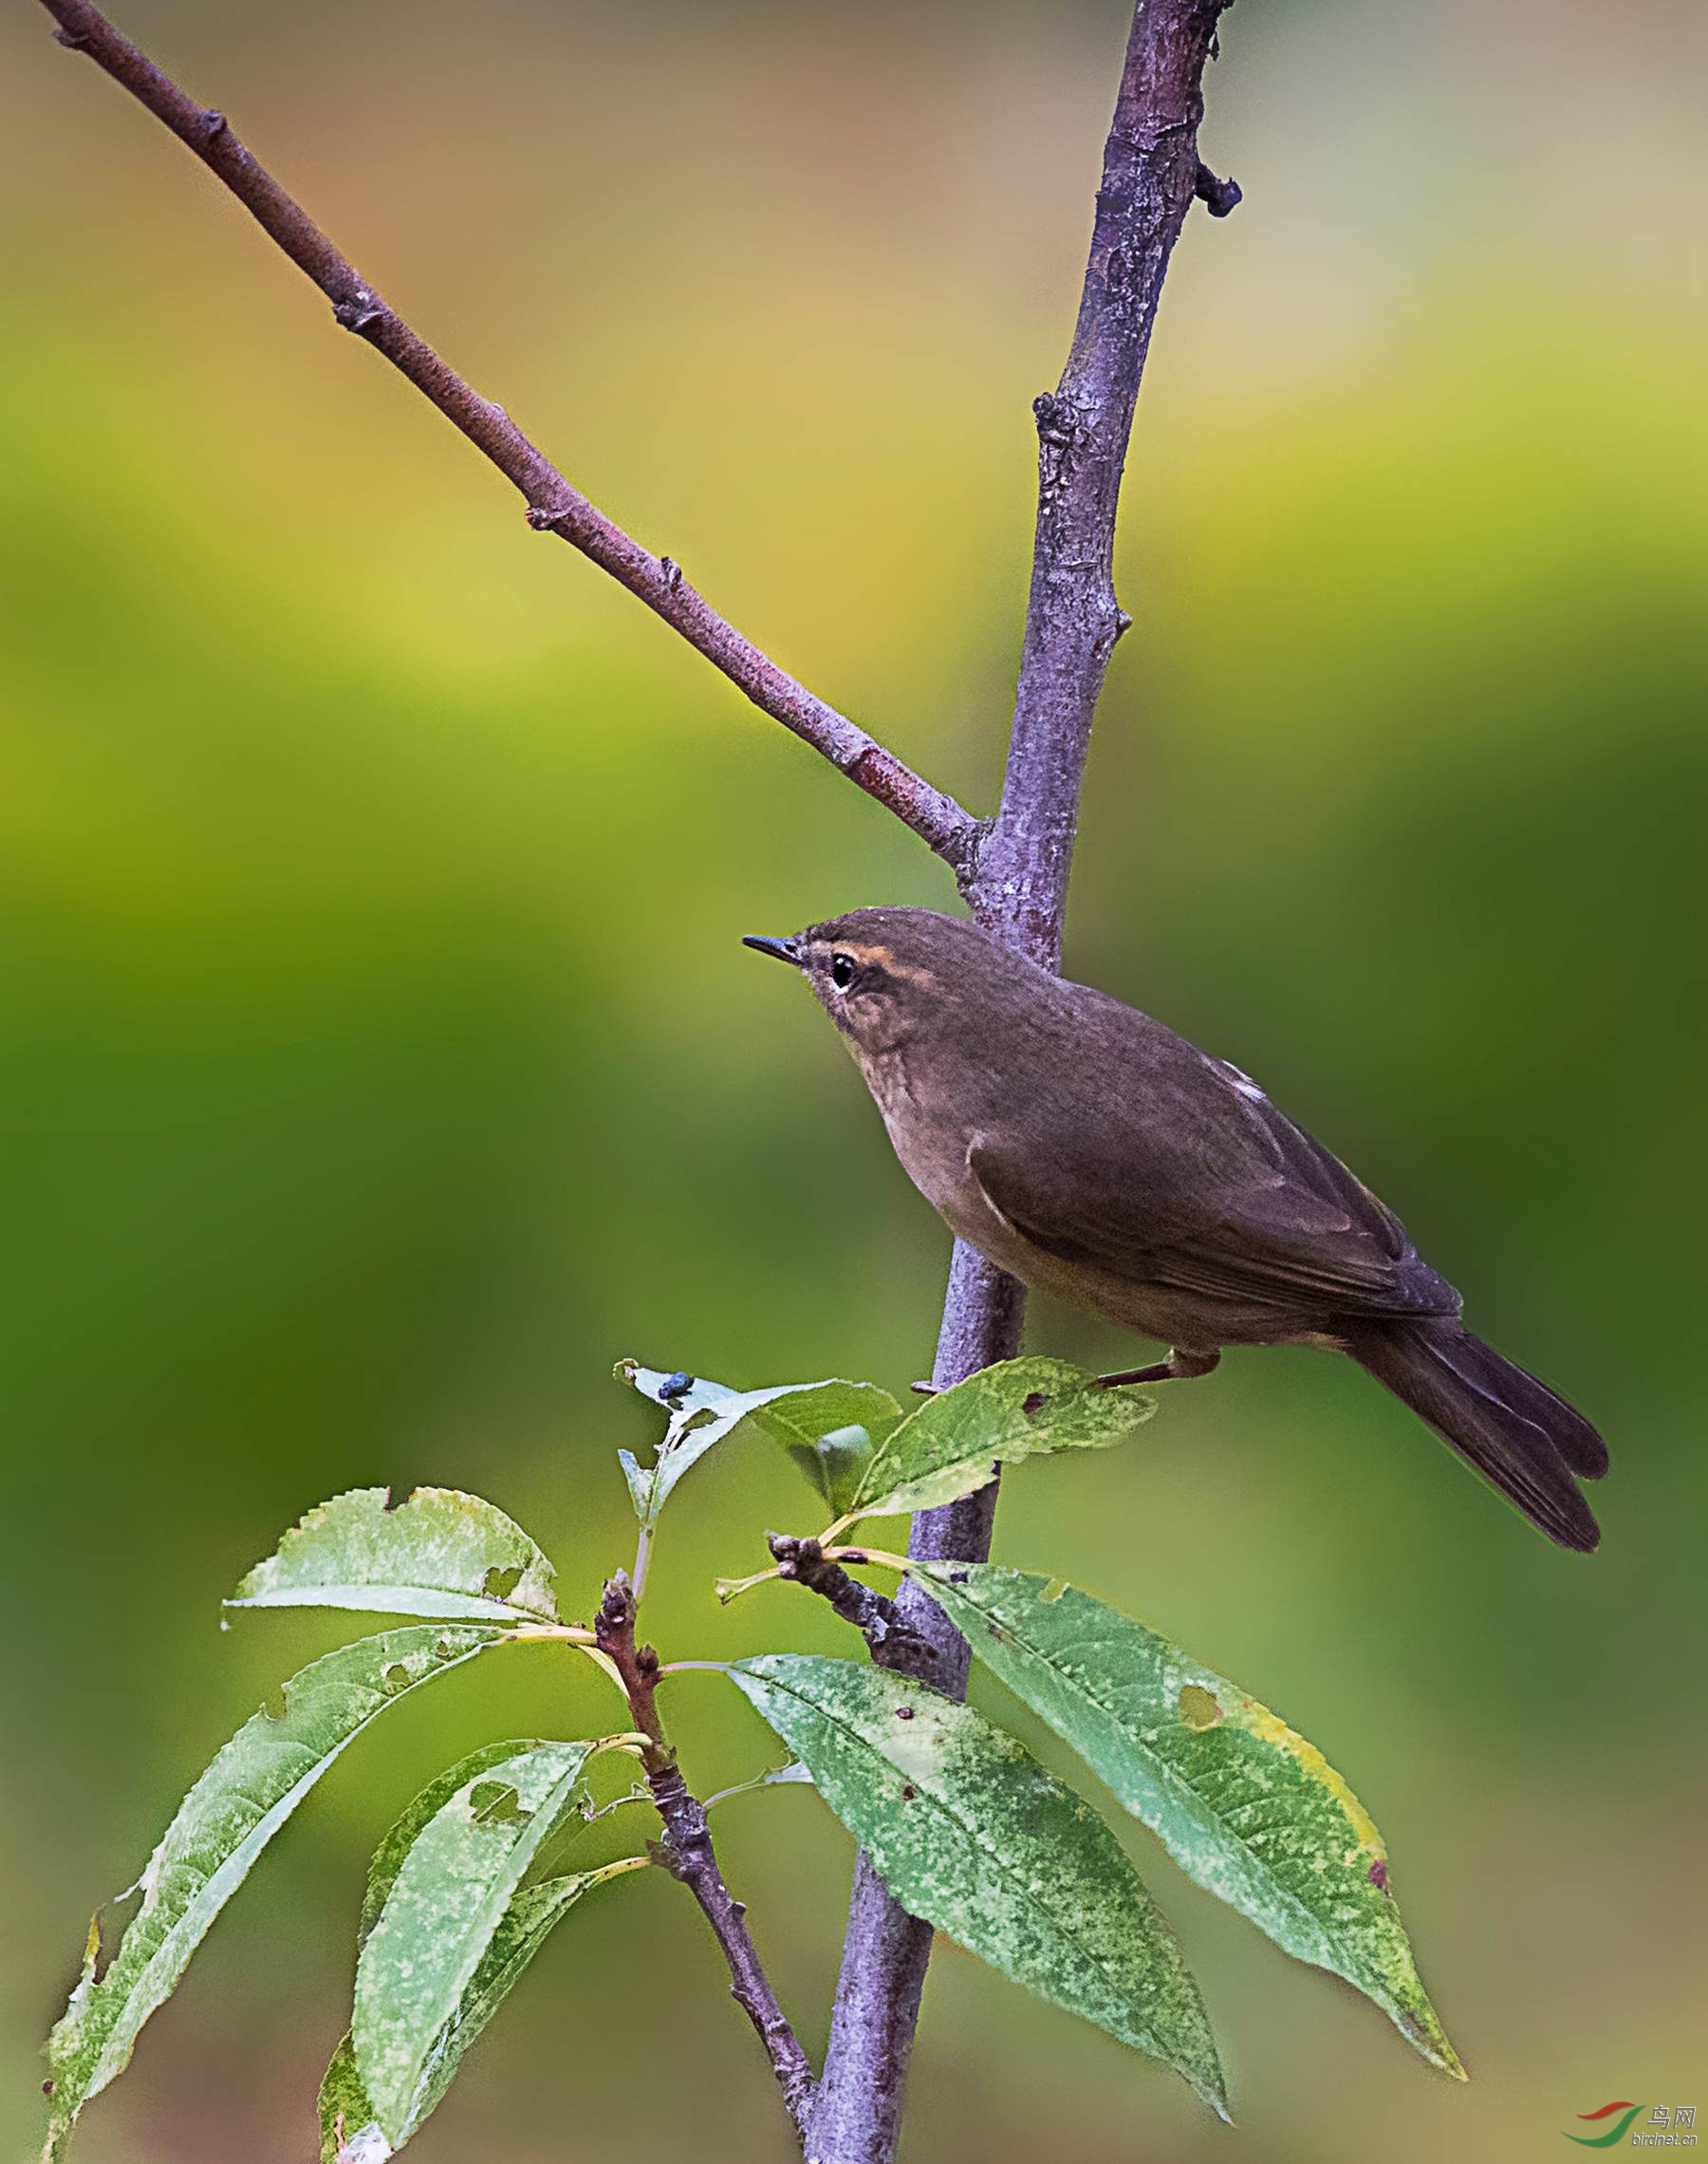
(1179, 1368)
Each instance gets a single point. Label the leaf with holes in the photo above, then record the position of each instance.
(827, 1427)
(969, 1831)
(406, 1829)
(1244, 1806)
(439, 1553)
(350, 2130)
(244, 1797)
(449, 1892)
(1020, 1408)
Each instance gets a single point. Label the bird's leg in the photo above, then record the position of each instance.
(1179, 1368)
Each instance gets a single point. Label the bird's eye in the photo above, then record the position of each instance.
(841, 971)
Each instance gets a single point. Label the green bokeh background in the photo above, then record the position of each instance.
(380, 1061)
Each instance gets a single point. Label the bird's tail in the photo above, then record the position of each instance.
(1512, 1429)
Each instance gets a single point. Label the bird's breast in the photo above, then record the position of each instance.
(929, 1133)
(934, 1142)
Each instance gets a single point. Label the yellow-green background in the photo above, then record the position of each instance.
(381, 1061)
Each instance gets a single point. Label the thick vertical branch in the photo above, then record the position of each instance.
(1150, 176)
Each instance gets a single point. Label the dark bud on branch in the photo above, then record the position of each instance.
(357, 315)
(1218, 197)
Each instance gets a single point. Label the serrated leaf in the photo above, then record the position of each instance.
(969, 1831)
(1019, 1409)
(1242, 1803)
(795, 1415)
(405, 1830)
(241, 1801)
(350, 2131)
(449, 1893)
(439, 1553)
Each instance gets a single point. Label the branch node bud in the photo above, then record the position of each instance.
(1218, 197)
(359, 313)
(1053, 417)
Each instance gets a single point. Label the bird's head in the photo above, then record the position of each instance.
(884, 975)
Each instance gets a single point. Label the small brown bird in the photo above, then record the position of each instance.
(1087, 1149)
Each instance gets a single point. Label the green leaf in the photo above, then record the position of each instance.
(1019, 1409)
(440, 1553)
(967, 1830)
(405, 1830)
(640, 1481)
(350, 2131)
(242, 1800)
(833, 1462)
(448, 1894)
(1244, 1806)
(798, 1415)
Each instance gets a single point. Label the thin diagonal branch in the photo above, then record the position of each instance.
(689, 1853)
(1151, 174)
(554, 505)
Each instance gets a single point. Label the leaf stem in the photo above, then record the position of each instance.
(623, 1863)
(770, 1778)
(865, 1554)
(732, 1589)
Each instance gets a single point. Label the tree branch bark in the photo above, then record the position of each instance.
(691, 1858)
(554, 505)
(1150, 176)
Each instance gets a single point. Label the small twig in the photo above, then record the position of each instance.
(554, 504)
(875, 1616)
(688, 1854)
(773, 1777)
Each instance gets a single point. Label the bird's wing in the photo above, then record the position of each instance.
(1237, 1206)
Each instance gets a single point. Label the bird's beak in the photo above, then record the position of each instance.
(785, 950)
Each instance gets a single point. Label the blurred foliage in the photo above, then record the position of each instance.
(382, 1063)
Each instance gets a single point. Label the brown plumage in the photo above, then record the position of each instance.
(1090, 1150)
